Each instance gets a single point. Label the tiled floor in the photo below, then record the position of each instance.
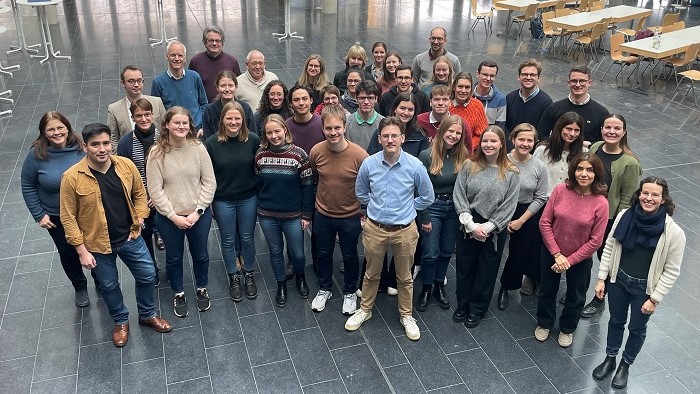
(48, 345)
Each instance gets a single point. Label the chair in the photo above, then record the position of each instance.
(521, 19)
(677, 62)
(693, 76)
(630, 33)
(549, 31)
(583, 6)
(680, 25)
(596, 5)
(589, 38)
(481, 16)
(669, 19)
(616, 54)
(560, 5)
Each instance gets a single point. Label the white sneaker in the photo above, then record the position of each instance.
(565, 340)
(411, 328)
(541, 334)
(359, 293)
(349, 304)
(355, 321)
(391, 291)
(319, 302)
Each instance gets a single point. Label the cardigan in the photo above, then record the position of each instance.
(626, 174)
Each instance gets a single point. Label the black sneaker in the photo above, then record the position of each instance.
(234, 287)
(203, 302)
(81, 298)
(251, 291)
(180, 305)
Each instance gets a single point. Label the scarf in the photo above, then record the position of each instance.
(637, 228)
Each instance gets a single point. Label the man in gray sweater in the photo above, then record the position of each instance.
(423, 62)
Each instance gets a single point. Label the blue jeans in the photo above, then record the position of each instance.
(439, 243)
(274, 229)
(232, 217)
(174, 239)
(348, 231)
(135, 256)
(627, 293)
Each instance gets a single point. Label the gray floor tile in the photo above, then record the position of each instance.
(144, 343)
(499, 345)
(277, 377)
(144, 377)
(529, 380)
(454, 389)
(185, 358)
(403, 379)
(7, 270)
(381, 340)
(229, 366)
(220, 324)
(20, 334)
(297, 314)
(64, 385)
(430, 363)
(331, 325)
(262, 333)
(452, 337)
(33, 263)
(478, 372)
(201, 385)
(28, 292)
(60, 309)
(17, 375)
(360, 372)
(99, 369)
(57, 354)
(311, 357)
(556, 365)
(97, 324)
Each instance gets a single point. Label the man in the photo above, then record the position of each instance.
(119, 118)
(404, 79)
(178, 87)
(335, 163)
(423, 62)
(362, 124)
(393, 185)
(213, 60)
(103, 206)
(252, 82)
(526, 105)
(494, 101)
(331, 96)
(305, 126)
(579, 101)
(440, 102)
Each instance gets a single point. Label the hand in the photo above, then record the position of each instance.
(192, 218)
(561, 264)
(137, 234)
(514, 226)
(648, 308)
(305, 224)
(427, 227)
(363, 220)
(586, 144)
(600, 289)
(180, 221)
(87, 260)
(200, 133)
(45, 222)
(479, 234)
(150, 203)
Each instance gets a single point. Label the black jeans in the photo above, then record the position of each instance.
(627, 293)
(523, 252)
(348, 231)
(147, 234)
(69, 257)
(577, 279)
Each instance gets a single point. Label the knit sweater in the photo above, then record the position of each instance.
(494, 106)
(181, 180)
(212, 116)
(234, 170)
(41, 179)
(533, 183)
(285, 182)
(665, 264)
(530, 111)
(626, 174)
(306, 135)
(592, 113)
(387, 100)
(472, 112)
(187, 92)
(573, 224)
(250, 91)
(209, 67)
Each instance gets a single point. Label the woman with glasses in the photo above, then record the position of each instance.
(274, 100)
(314, 77)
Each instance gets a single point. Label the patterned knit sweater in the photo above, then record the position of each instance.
(473, 113)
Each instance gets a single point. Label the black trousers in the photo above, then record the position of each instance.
(523, 252)
(147, 234)
(69, 257)
(578, 278)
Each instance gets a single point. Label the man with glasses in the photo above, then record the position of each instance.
(405, 83)
(526, 105)
(119, 118)
(423, 62)
(579, 101)
(252, 82)
(493, 99)
(213, 60)
(362, 124)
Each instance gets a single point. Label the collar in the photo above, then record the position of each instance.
(369, 121)
(486, 96)
(432, 118)
(465, 105)
(214, 57)
(588, 98)
(398, 162)
(430, 55)
(250, 77)
(531, 96)
(170, 74)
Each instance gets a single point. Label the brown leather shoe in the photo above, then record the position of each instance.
(157, 323)
(120, 335)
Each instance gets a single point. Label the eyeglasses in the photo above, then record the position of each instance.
(135, 81)
(387, 137)
(438, 39)
(256, 64)
(578, 81)
(55, 130)
(361, 99)
(354, 81)
(144, 115)
(529, 75)
(214, 41)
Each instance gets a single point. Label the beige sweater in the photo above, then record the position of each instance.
(182, 180)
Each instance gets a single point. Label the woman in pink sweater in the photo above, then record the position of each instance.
(572, 225)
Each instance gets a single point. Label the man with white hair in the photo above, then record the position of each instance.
(252, 82)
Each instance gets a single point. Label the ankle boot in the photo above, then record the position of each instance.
(619, 381)
(503, 299)
(423, 298)
(605, 368)
(281, 297)
(302, 288)
(440, 295)
(234, 287)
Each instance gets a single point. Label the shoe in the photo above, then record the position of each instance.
(593, 308)
(281, 297)
(158, 324)
(180, 305)
(472, 321)
(302, 287)
(527, 287)
(503, 299)
(355, 321)
(392, 291)
(440, 295)
(289, 271)
(541, 334)
(159, 242)
(605, 368)
(562, 300)
(157, 280)
(342, 267)
(459, 316)
(410, 327)
(349, 303)
(358, 293)
(619, 381)
(203, 301)
(251, 291)
(319, 302)
(82, 299)
(234, 287)
(424, 298)
(565, 340)
(120, 336)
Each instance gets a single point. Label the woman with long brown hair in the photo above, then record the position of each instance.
(314, 77)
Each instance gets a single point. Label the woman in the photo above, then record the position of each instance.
(226, 85)
(331, 96)
(467, 107)
(485, 197)
(355, 58)
(349, 99)
(404, 108)
(622, 174)
(525, 240)
(181, 184)
(56, 149)
(314, 77)
(565, 142)
(232, 152)
(285, 202)
(274, 100)
(572, 227)
(439, 222)
(379, 50)
(388, 78)
(443, 73)
(642, 260)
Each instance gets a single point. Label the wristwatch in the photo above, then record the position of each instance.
(143, 225)
(200, 211)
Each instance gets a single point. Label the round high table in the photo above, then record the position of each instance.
(45, 28)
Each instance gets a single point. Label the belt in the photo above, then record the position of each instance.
(444, 196)
(389, 227)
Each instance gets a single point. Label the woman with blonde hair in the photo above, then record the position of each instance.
(443, 74)
(355, 58)
(226, 85)
(314, 77)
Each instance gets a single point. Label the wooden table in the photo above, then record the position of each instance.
(521, 6)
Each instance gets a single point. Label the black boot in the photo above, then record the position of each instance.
(605, 368)
(593, 308)
(503, 299)
(234, 287)
(619, 381)
(281, 297)
(440, 295)
(424, 298)
(302, 288)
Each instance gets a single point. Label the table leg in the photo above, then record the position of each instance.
(288, 34)
(20, 34)
(161, 26)
(46, 37)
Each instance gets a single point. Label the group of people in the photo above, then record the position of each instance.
(415, 159)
